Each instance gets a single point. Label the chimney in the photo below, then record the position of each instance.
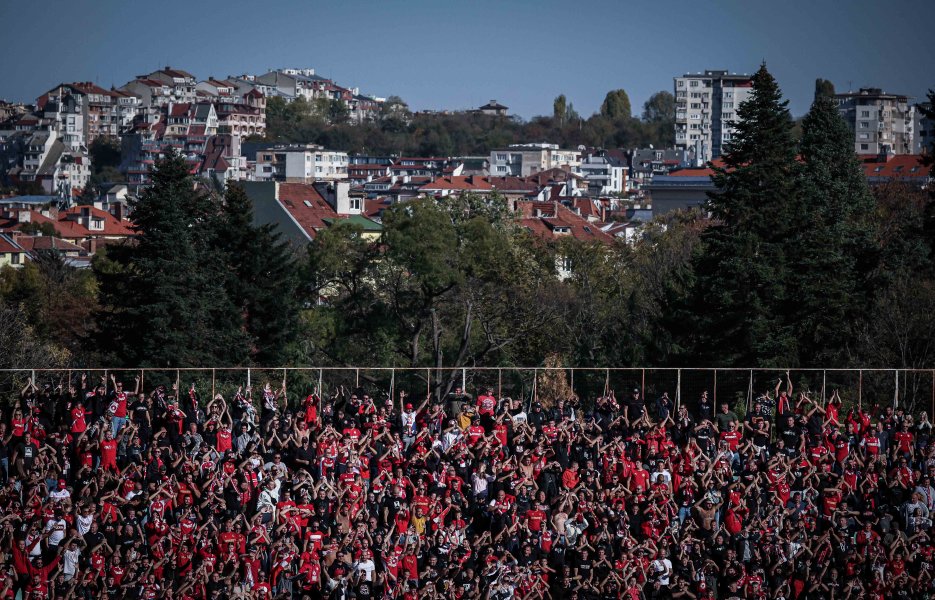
(603, 212)
(24, 216)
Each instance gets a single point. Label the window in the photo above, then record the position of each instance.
(865, 114)
(14, 258)
(728, 105)
(681, 83)
(694, 83)
(355, 203)
(865, 136)
(501, 169)
(864, 125)
(501, 157)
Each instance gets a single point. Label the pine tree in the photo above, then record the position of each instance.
(263, 280)
(163, 296)
(832, 252)
(741, 292)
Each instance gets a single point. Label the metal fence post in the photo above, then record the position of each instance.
(824, 381)
(572, 380)
(714, 392)
(535, 384)
(860, 387)
(643, 385)
(750, 391)
(321, 391)
(213, 381)
(499, 383)
(896, 395)
(356, 378)
(428, 383)
(248, 378)
(606, 381)
(678, 389)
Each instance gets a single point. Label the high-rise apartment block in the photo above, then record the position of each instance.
(882, 123)
(705, 108)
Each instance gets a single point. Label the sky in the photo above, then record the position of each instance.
(443, 54)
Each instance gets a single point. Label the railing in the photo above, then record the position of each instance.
(912, 390)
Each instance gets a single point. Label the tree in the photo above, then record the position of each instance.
(659, 118)
(823, 88)
(742, 291)
(660, 108)
(163, 295)
(104, 151)
(559, 109)
(263, 280)
(616, 105)
(832, 257)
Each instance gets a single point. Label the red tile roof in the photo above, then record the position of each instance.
(45, 242)
(180, 110)
(901, 166)
(310, 216)
(552, 216)
(466, 183)
(7, 246)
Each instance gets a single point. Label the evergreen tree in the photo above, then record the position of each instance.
(741, 292)
(263, 280)
(832, 252)
(163, 295)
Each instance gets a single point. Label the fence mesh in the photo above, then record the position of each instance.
(872, 390)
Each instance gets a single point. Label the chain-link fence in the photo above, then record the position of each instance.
(871, 390)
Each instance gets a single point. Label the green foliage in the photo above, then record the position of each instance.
(36, 228)
(262, 281)
(560, 108)
(616, 105)
(823, 89)
(163, 297)
(743, 273)
(397, 131)
(104, 152)
(833, 256)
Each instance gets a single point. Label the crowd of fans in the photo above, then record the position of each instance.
(113, 491)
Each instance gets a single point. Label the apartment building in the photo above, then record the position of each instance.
(705, 108)
(881, 122)
(300, 164)
(523, 160)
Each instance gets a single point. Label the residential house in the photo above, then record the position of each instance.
(604, 174)
(493, 108)
(554, 222)
(646, 163)
(301, 210)
(300, 164)
(12, 254)
(161, 87)
(85, 226)
(905, 168)
(523, 160)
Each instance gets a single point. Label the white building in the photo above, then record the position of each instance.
(300, 164)
(604, 174)
(523, 160)
(881, 122)
(705, 108)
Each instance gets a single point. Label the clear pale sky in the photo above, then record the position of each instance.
(445, 54)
